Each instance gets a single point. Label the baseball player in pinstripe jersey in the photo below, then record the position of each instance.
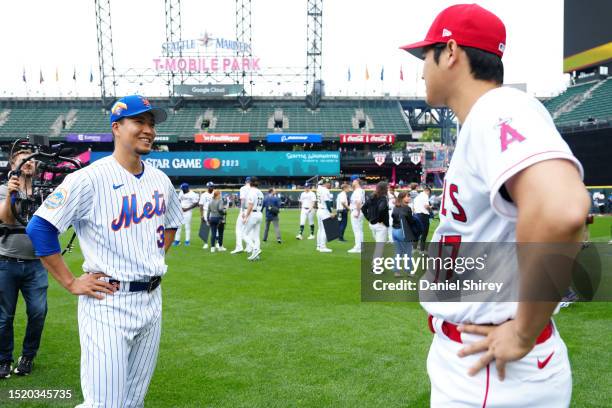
(125, 214)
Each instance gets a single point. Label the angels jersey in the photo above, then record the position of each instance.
(505, 132)
(120, 219)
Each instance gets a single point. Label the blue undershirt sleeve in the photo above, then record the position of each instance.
(44, 236)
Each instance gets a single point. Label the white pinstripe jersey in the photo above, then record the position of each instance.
(255, 197)
(120, 219)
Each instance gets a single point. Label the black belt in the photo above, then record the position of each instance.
(11, 259)
(149, 286)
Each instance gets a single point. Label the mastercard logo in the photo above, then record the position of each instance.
(212, 163)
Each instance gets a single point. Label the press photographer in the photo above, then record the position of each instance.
(20, 270)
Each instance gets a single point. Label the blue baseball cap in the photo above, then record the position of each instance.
(210, 184)
(354, 177)
(134, 105)
(184, 185)
(246, 180)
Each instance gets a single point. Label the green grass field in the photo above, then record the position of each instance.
(290, 330)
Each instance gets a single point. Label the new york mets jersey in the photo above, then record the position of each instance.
(505, 132)
(120, 219)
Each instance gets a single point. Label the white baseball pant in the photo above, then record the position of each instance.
(379, 232)
(252, 229)
(239, 231)
(541, 379)
(187, 223)
(307, 213)
(119, 338)
(357, 225)
(322, 214)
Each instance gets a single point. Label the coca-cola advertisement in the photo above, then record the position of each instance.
(367, 138)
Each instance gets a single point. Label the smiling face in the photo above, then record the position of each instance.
(135, 134)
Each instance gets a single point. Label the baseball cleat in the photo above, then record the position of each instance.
(325, 249)
(176, 243)
(236, 251)
(24, 366)
(205, 246)
(221, 249)
(354, 251)
(298, 236)
(311, 237)
(255, 254)
(213, 249)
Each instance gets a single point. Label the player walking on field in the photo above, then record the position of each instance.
(125, 214)
(357, 201)
(511, 178)
(244, 192)
(251, 219)
(189, 200)
(324, 208)
(307, 200)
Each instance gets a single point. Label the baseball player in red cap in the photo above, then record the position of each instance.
(498, 188)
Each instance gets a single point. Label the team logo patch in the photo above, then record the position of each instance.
(56, 199)
(397, 157)
(118, 107)
(379, 158)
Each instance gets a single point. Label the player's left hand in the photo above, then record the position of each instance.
(502, 343)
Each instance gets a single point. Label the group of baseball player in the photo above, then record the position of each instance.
(498, 188)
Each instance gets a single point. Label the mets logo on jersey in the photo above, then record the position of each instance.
(56, 199)
(131, 215)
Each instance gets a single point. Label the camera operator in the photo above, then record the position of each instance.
(21, 270)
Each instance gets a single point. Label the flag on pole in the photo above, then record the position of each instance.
(90, 75)
(349, 74)
(367, 73)
(401, 73)
(56, 75)
(41, 80)
(382, 73)
(74, 74)
(24, 76)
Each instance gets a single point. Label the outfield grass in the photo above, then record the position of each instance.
(290, 330)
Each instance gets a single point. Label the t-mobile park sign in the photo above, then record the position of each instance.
(367, 138)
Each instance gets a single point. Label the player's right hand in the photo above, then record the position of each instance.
(90, 284)
(13, 184)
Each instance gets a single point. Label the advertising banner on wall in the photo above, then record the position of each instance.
(242, 163)
(89, 137)
(221, 138)
(367, 138)
(208, 90)
(294, 138)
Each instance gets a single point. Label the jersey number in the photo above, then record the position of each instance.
(161, 234)
(454, 241)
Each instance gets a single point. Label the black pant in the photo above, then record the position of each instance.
(216, 231)
(30, 278)
(424, 218)
(343, 218)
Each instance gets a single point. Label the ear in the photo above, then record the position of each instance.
(452, 49)
(114, 128)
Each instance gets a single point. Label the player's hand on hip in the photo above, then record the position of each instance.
(502, 343)
(90, 284)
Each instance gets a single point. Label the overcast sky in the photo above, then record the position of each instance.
(61, 35)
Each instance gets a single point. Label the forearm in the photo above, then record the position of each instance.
(169, 235)
(57, 267)
(6, 214)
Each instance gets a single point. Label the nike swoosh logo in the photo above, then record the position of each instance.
(116, 186)
(542, 364)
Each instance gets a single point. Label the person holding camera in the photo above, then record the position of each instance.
(20, 270)
(272, 205)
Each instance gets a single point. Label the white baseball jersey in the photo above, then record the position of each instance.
(358, 196)
(255, 197)
(120, 219)
(188, 199)
(308, 199)
(323, 195)
(420, 203)
(391, 196)
(340, 200)
(244, 192)
(505, 132)
(205, 199)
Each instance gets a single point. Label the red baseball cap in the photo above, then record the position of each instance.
(468, 24)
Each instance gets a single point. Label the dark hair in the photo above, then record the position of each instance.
(271, 190)
(484, 65)
(399, 201)
(254, 182)
(16, 153)
(381, 189)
